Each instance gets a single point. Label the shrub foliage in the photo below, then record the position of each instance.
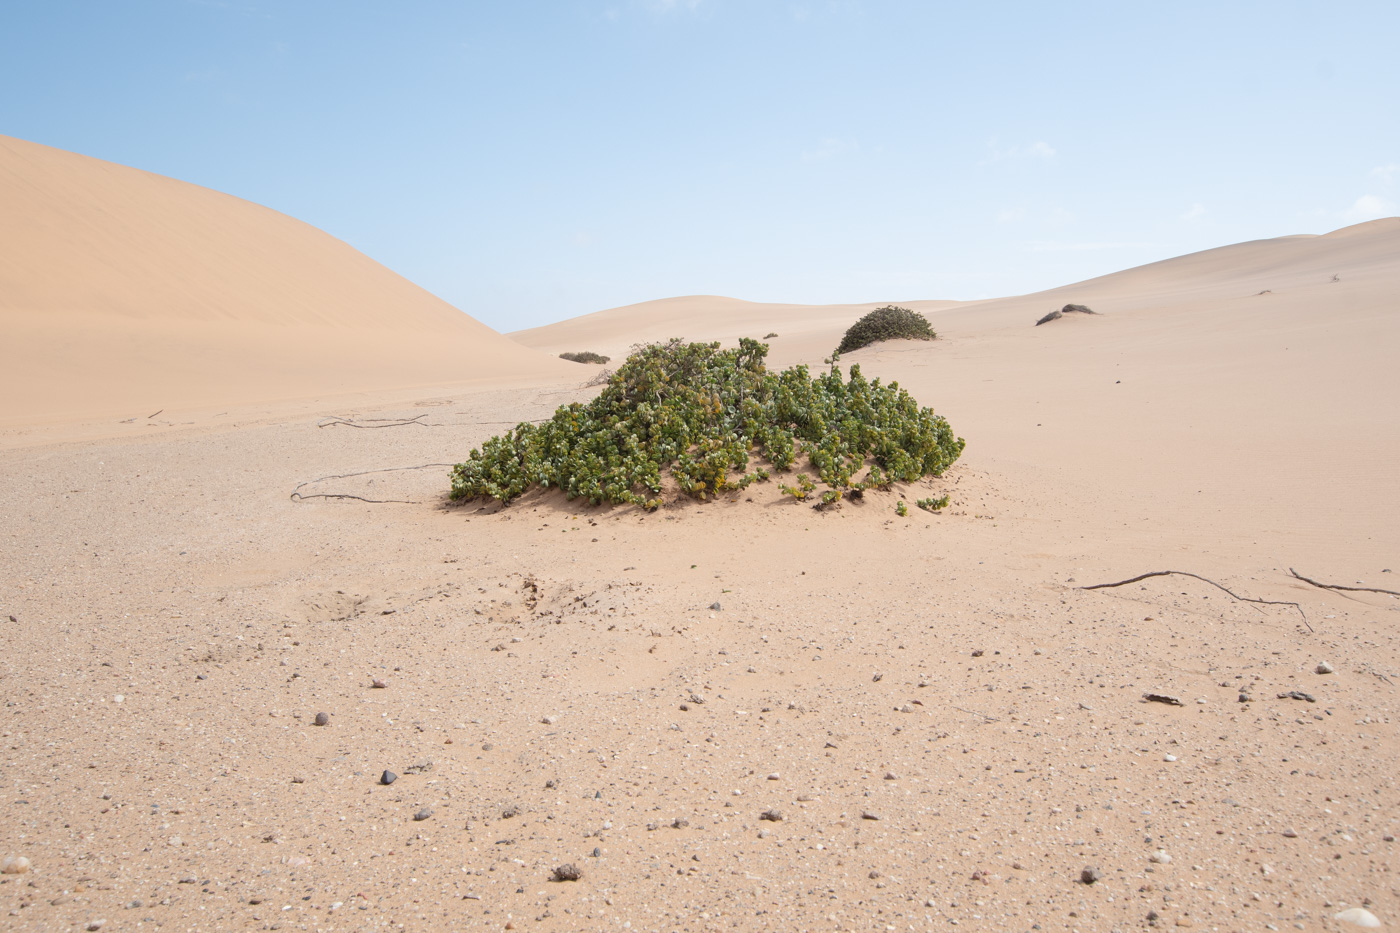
(700, 413)
(887, 323)
(584, 356)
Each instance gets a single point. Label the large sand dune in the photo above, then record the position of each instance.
(949, 728)
(123, 292)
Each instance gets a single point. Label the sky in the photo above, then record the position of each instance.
(534, 160)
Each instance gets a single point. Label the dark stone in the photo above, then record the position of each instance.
(567, 872)
(323, 719)
(388, 777)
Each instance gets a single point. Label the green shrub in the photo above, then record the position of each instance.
(887, 323)
(901, 509)
(699, 413)
(584, 356)
(931, 504)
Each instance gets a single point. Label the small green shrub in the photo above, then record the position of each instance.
(584, 356)
(699, 413)
(901, 509)
(887, 323)
(931, 504)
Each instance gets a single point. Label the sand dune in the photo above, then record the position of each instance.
(949, 727)
(122, 292)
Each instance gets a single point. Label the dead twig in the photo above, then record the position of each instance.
(298, 496)
(374, 422)
(1336, 586)
(973, 712)
(1185, 573)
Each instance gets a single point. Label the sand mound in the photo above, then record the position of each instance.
(123, 292)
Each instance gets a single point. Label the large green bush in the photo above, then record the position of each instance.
(887, 323)
(700, 413)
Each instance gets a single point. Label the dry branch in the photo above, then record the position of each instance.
(1185, 573)
(298, 496)
(374, 422)
(1336, 586)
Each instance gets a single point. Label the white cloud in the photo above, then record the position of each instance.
(1368, 207)
(1010, 215)
(1197, 210)
(1386, 173)
(830, 148)
(1055, 246)
(670, 6)
(1039, 149)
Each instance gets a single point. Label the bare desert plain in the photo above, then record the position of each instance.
(225, 439)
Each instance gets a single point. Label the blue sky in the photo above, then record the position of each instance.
(532, 161)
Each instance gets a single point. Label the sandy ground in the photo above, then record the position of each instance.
(949, 728)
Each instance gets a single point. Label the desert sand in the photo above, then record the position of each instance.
(948, 727)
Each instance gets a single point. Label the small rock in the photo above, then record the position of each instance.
(1185, 922)
(873, 875)
(422, 767)
(14, 865)
(1169, 757)
(978, 653)
(890, 776)
(1387, 839)
(1359, 916)
(323, 719)
(298, 779)
(1162, 698)
(388, 777)
(549, 720)
(1244, 697)
(867, 815)
(567, 872)
(1160, 857)
(378, 684)
(1090, 875)
(697, 699)
(774, 776)
(680, 822)
(774, 816)
(189, 879)
(132, 905)
(715, 606)
(1296, 695)
(1324, 667)
(510, 812)
(1152, 916)
(422, 815)
(60, 900)
(1290, 833)
(685, 707)
(94, 925)
(877, 677)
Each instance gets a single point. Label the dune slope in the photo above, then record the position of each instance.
(122, 292)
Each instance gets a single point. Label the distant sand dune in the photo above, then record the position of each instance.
(122, 291)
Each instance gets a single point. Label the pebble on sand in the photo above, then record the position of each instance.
(14, 865)
(388, 777)
(567, 872)
(379, 684)
(323, 719)
(1090, 875)
(1359, 916)
(422, 814)
(1325, 667)
(1160, 857)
